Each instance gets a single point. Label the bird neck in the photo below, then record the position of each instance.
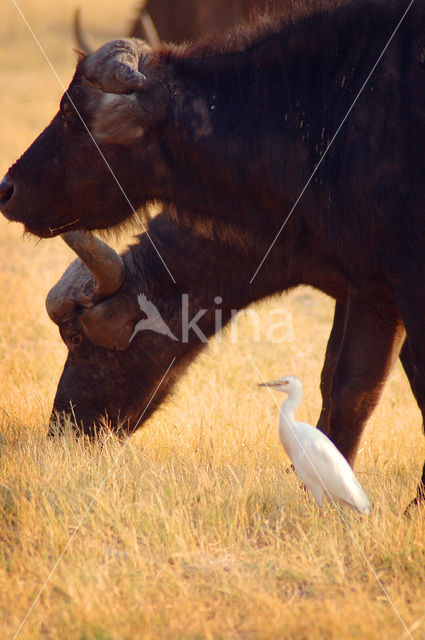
(291, 404)
(287, 424)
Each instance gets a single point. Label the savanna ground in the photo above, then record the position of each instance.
(198, 532)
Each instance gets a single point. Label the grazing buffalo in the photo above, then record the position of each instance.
(228, 133)
(96, 308)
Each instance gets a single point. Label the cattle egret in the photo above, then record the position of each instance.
(316, 460)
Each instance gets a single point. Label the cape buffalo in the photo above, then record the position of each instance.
(229, 133)
(179, 21)
(187, 20)
(96, 309)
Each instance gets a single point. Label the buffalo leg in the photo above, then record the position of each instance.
(373, 336)
(331, 358)
(407, 362)
(412, 311)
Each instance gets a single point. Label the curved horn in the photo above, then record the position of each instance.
(105, 264)
(108, 324)
(115, 66)
(79, 36)
(97, 274)
(150, 30)
(75, 288)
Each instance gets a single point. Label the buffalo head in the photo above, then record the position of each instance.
(125, 321)
(103, 145)
(106, 375)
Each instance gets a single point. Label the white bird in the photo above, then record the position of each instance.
(153, 322)
(316, 460)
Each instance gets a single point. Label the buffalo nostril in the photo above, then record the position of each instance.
(6, 190)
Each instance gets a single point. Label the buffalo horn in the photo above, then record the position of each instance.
(144, 20)
(79, 35)
(150, 31)
(97, 274)
(115, 66)
(101, 260)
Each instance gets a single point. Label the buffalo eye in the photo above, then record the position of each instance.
(76, 339)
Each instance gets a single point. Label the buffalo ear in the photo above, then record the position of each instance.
(110, 323)
(123, 118)
(116, 119)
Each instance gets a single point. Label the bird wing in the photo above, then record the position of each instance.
(153, 321)
(319, 463)
(305, 464)
(146, 306)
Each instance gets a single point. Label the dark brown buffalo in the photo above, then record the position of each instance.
(141, 27)
(187, 20)
(96, 309)
(226, 134)
(106, 378)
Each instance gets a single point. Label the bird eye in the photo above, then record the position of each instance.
(76, 339)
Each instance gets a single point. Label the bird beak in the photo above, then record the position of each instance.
(269, 384)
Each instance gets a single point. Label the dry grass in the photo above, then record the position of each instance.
(198, 532)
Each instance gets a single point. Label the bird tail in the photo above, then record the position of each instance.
(359, 500)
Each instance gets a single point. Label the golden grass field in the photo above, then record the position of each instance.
(198, 532)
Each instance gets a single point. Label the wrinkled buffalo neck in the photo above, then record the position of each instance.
(205, 267)
(216, 278)
(246, 129)
(231, 140)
